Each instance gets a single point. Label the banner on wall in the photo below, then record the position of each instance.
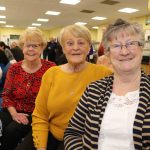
(14, 38)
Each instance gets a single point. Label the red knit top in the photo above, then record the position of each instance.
(21, 88)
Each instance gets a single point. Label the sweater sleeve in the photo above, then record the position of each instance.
(40, 115)
(75, 130)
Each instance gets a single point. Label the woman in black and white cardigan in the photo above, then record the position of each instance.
(114, 113)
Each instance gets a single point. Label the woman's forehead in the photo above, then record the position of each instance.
(123, 35)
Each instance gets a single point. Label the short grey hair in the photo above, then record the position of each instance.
(77, 31)
(113, 31)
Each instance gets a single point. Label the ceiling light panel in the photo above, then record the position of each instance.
(9, 26)
(3, 22)
(95, 27)
(128, 10)
(99, 18)
(42, 20)
(2, 17)
(31, 27)
(2, 8)
(52, 13)
(70, 2)
(80, 23)
(36, 24)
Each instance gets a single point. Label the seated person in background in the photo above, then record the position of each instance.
(6, 50)
(13, 44)
(114, 113)
(16, 51)
(50, 50)
(60, 56)
(1, 72)
(100, 50)
(3, 63)
(20, 90)
(3, 58)
(18, 56)
(62, 87)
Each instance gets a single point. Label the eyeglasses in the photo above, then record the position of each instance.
(35, 46)
(129, 45)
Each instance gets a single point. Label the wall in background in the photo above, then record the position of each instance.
(96, 34)
(141, 20)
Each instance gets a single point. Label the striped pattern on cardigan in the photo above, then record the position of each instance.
(83, 129)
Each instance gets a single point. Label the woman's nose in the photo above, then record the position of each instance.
(76, 46)
(124, 50)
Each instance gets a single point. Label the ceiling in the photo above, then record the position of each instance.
(22, 13)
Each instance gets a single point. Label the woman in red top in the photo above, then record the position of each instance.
(21, 87)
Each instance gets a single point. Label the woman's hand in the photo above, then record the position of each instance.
(18, 117)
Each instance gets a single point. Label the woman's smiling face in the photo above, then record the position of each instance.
(126, 53)
(32, 50)
(75, 49)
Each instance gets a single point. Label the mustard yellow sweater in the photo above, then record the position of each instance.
(57, 98)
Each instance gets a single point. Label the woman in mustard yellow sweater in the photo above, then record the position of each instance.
(62, 87)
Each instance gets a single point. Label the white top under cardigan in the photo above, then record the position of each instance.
(117, 124)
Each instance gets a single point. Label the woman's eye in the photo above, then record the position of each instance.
(81, 43)
(116, 45)
(69, 43)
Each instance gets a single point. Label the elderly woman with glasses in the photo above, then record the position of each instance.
(114, 112)
(21, 87)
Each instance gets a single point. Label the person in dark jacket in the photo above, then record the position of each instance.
(9, 55)
(16, 51)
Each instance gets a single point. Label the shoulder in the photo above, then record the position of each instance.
(13, 69)
(16, 65)
(145, 77)
(102, 84)
(48, 63)
(100, 69)
(52, 70)
(96, 66)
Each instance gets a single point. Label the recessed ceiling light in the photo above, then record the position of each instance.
(2, 8)
(9, 26)
(31, 27)
(70, 2)
(80, 23)
(2, 17)
(95, 27)
(36, 24)
(99, 18)
(3, 22)
(52, 13)
(128, 10)
(43, 20)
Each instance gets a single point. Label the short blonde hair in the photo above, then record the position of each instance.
(119, 27)
(33, 35)
(77, 31)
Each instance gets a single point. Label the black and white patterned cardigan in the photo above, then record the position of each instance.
(83, 129)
